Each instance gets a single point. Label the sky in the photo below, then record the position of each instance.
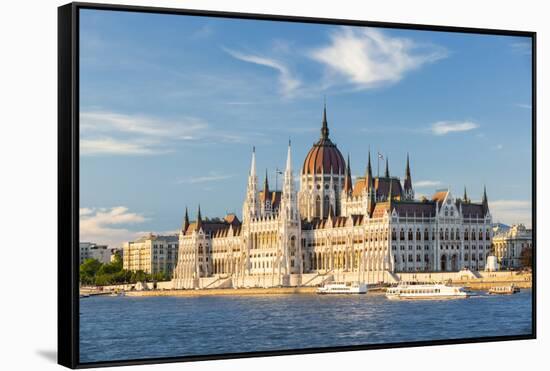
(171, 106)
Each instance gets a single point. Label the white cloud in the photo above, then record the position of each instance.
(446, 127)
(427, 183)
(105, 121)
(369, 58)
(107, 225)
(288, 82)
(511, 211)
(111, 146)
(211, 177)
(523, 105)
(498, 147)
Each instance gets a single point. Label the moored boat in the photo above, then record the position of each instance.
(504, 290)
(343, 288)
(426, 291)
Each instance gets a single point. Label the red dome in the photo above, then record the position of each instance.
(324, 155)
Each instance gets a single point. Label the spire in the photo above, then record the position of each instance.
(288, 159)
(199, 218)
(484, 201)
(465, 198)
(348, 186)
(266, 185)
(368, 175)
(387, 172)
(324, 128)
(185, 221)
(253, 163)
(407, 184)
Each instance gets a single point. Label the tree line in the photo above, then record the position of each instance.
(93, 272)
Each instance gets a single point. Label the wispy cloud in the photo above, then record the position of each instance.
(108, 225)
(511, 211)
(427, 183)
(112, 133)
(287, 81)
(498, 147)
(447, 127)
(522, 47)
(369, 58)
(211, 177)
(523, 105)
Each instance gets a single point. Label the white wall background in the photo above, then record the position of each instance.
(28, 150)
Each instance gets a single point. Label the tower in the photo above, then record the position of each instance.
(407, 183)
(251, 204)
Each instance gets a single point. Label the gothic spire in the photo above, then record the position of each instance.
(407, 184)
(253, 163)
(348, 186)
(484, 201)
(185, 221)
(368, 176)
(199, 218)
(324, 128)
(465, 198)
(387, 172)
(390, 195)
(266, 185)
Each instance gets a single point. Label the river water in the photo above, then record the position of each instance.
(122, 328)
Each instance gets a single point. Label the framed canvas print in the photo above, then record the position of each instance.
(239, 185)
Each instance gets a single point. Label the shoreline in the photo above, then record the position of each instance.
(481, 286)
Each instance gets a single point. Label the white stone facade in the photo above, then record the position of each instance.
(509, 245)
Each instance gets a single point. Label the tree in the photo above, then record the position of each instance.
(526, 257)
(88, 270)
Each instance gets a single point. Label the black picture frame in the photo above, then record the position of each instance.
(68, 180)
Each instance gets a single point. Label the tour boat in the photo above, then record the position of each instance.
(343, 288)
(426, 291)
(504, 290)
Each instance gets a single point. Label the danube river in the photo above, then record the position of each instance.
(121, 328)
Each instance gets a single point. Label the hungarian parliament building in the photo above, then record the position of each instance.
(332, 226)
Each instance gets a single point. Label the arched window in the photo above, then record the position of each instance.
(481, 235)
(473, 235)
(318, 206)
(410, 235)
(326, 206)
(402, 234)
(487, 235)
(418, 235)
(393, 235)
(441, 233)
(452, 234)
(466, 234)
(466, 257)
(426, 234)
(446, 234)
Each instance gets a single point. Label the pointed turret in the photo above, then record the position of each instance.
(390, 195)
(324, 127)
(251, 204)
(407, 183)
(465, 197)
(387, 172)
(289, 199)
(185, 221)
(199, 218)
(348, 186)
(368, 175)
(484, 201)
(253, 163)
(266, 185)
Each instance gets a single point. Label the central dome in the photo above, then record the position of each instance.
(324, 156)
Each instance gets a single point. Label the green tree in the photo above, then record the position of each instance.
(526, 257)
(88, 270)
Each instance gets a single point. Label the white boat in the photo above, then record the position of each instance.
(430, 291)
(343, 288)
(504, 290)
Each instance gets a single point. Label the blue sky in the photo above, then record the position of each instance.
(172, 105)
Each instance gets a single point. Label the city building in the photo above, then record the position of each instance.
(91, 250)
(332, 225)
(509, 245)
(151, 254)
